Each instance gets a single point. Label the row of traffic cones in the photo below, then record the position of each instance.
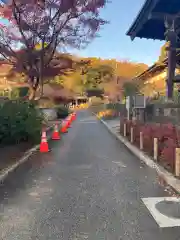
(44, 147)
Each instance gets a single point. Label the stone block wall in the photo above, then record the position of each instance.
(50, 113)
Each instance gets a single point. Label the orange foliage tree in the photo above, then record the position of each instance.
(107, 75)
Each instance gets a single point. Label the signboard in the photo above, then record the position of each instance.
(128, 105)
(127, 102)
(139, 101)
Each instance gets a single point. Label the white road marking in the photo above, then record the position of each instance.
(84, 166)
(88, 122)
(120, 164)
(115, 126)
(162, 220)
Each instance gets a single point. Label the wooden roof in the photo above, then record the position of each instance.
(146, 26)
(156, 68)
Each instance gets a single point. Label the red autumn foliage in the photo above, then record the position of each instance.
(167, 135)
(40, 28)
(59, 65)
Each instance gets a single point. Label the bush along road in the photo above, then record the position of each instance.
(159, 141)
(21, 126)
(161, 153)
(88, 187)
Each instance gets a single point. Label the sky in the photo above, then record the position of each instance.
(114, 43)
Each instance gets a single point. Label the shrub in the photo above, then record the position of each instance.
(168, 139)
(107, 114)
(23, 91)
(62, 111)
(14, 93)
(148, 138)
(115, 107)
(19, 121)
(167, 154)
(136, 126)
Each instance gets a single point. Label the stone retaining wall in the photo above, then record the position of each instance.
(50, 113)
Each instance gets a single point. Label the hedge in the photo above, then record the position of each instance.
(168, 139)
(15, 93)
(19, 121)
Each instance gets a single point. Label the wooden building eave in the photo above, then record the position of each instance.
(156, 67)
(140, 19)
(149, 23)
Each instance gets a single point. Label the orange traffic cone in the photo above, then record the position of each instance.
(55, 135)
(71, 117)
(68, 122)
(44, 144)
(74, 116)
(64, 127)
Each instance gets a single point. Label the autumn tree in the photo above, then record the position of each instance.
(40, 27)
(95, 75)
(163, 52)
(110, 75)
(73, 78)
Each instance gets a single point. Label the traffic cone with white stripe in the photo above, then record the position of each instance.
(74, 116)
(55, 135)
(44, 144)
(71, 117)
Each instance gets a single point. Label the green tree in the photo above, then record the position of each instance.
(96, 76)
(130, 88)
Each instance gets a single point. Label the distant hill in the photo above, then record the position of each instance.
(73, 81)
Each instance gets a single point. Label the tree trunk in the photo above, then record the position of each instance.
(32, 93)
(41, 77)
(41, 82)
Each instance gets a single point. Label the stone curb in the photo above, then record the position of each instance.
(162, 173)
(27, 154)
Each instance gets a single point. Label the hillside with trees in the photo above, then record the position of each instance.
(100, 75)
(82, 75)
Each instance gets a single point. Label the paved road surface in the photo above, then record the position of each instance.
(88, 187)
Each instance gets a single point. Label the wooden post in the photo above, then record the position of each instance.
(170, 24)
(141, 140)
(132, 134)
(177, 162)
(124, 129)
(155, 149)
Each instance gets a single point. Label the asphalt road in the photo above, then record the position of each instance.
(88, 187)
